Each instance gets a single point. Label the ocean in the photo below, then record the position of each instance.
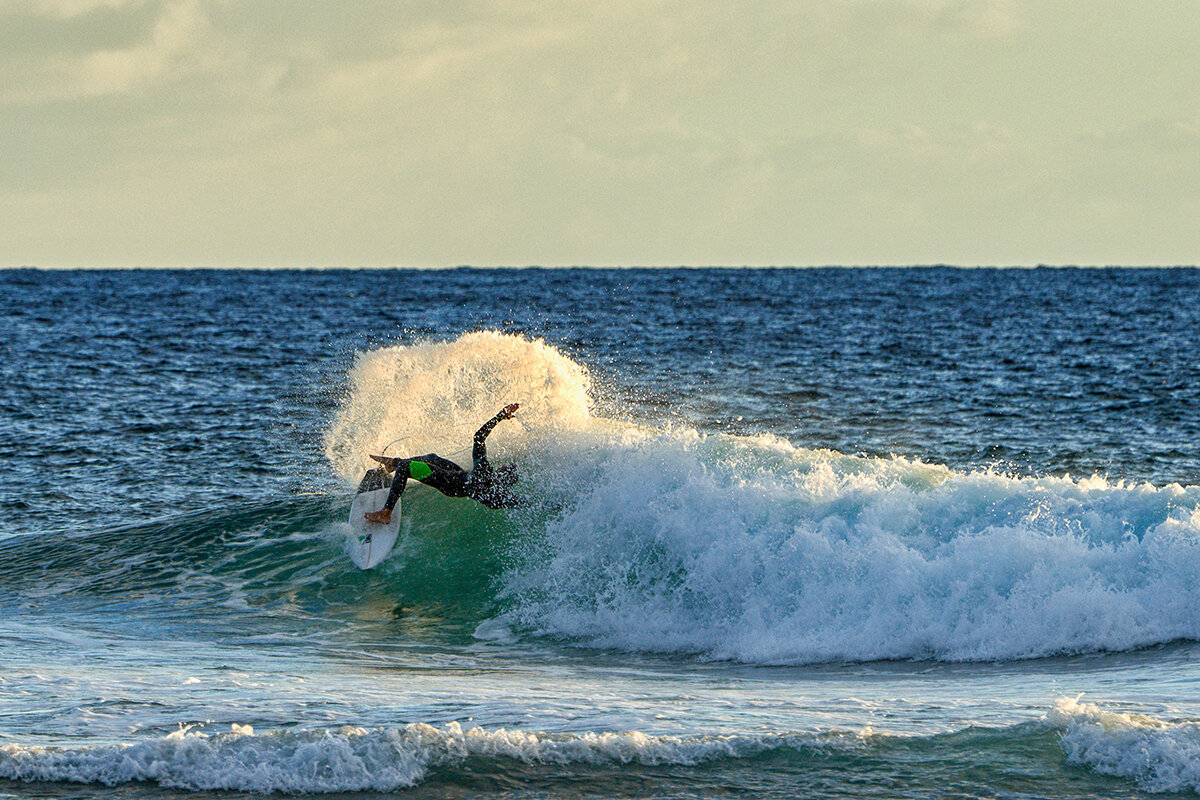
(819, 533)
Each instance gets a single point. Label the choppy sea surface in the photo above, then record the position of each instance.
(787, 533)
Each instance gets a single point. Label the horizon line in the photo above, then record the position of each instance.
(548, 267)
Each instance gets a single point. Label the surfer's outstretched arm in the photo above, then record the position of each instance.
(479, 451)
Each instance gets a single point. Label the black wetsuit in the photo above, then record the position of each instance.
(481, 483)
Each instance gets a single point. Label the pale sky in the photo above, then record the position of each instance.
(282, 133)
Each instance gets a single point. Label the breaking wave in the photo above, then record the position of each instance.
(352, 759)
(751, 548)
(755, 550)
(667, 539)
(1158, 756)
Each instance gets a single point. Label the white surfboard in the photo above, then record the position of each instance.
(371, 542)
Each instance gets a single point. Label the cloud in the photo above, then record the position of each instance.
(969, 18)
(176, 43)
(64, 9)
(517, 131)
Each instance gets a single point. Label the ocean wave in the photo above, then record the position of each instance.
(752, 549)
(351, 759)
(666, 539)
(1159, 756)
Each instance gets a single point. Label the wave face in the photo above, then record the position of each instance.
(749, 548)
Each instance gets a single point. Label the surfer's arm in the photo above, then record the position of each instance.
(480, 449)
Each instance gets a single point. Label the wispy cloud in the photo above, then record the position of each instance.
(64, 9)
(177, 43)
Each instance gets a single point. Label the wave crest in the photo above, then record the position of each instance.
(1160, 756)
(352, 759)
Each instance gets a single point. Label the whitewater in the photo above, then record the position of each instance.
(751, 549)
(733, 570)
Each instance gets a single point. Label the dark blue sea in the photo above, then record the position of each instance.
(820, 533)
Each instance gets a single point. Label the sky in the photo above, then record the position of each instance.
(181, 133)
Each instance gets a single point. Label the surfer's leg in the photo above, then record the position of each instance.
(440, 473)
(432, 470)
(440, 464)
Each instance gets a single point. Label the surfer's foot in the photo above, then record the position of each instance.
(382, 517)
(388, 462)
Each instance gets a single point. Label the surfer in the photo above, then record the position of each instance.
(490, 486)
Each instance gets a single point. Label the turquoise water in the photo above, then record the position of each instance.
(788, 533)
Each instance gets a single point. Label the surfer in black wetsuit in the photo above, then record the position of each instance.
(488, 485)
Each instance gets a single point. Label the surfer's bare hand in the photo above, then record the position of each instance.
(508, 411)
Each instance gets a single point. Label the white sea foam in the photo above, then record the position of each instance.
(355, 759)
(1160, 756)
(434, 396)
(753, 549)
